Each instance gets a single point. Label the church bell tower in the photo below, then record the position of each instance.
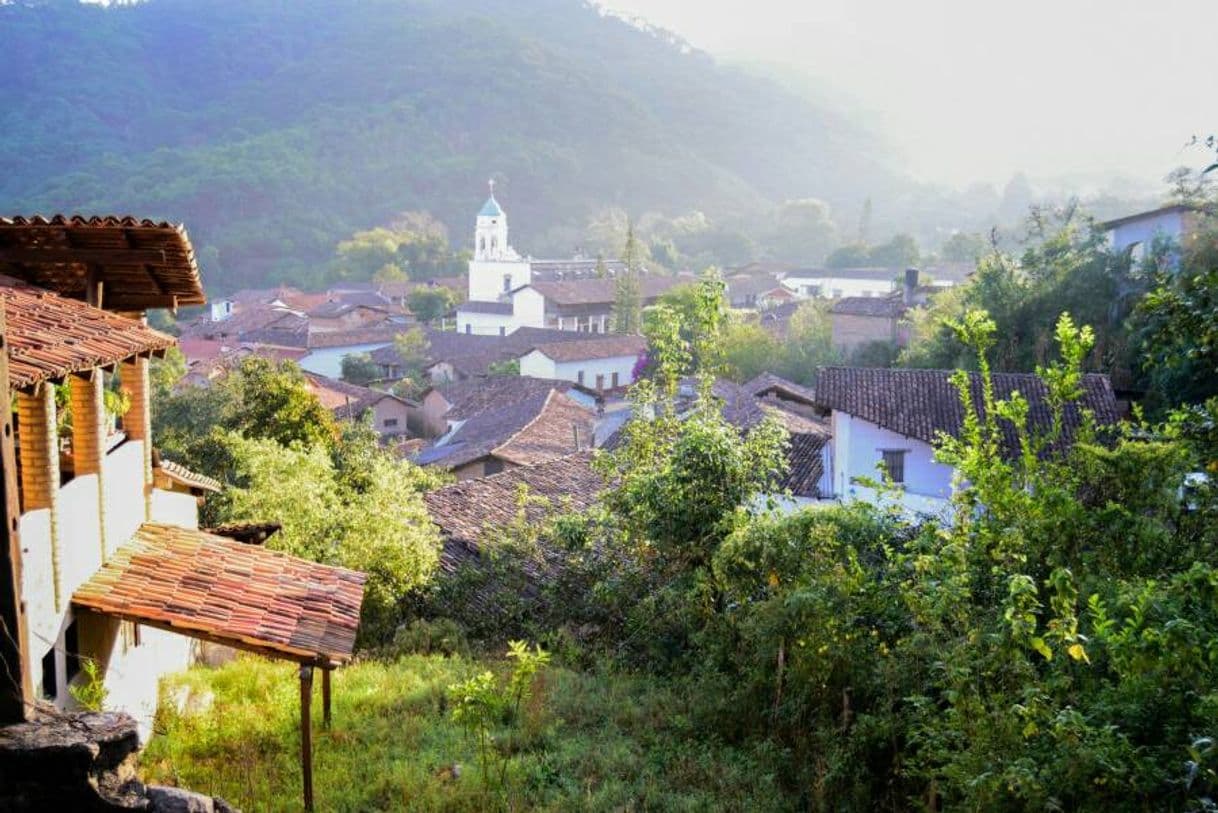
(491, 232)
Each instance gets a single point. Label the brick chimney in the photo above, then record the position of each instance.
(911, 286)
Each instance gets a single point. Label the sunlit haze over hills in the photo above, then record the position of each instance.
(1084, 91)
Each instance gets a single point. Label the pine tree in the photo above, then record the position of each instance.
(628, 304)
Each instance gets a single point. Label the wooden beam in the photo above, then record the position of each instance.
(325, 698)
(306, 734)
(267, 651)
(16, 689)
(85, 256)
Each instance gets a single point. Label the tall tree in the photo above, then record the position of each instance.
(628, 303)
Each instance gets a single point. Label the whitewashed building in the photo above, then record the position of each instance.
(601, 363)
(887, 422)
(102, 565)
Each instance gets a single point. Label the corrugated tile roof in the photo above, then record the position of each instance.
(463, 510)
(887, 307)
(50, 336)
(603, 291)
(922, 403)
(600, 347)
(207, 586)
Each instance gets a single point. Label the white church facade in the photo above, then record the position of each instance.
(508, 291)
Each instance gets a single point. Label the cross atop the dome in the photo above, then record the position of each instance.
(491, 184)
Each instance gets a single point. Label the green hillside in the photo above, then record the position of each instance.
(276, 128)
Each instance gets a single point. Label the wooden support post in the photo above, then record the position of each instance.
(16, 688)
(306, 734)
(325, 698)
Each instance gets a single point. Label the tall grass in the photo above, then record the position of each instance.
(586, 741)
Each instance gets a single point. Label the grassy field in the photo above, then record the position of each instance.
(582, 742)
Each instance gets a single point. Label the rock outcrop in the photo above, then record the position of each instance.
(84, 762)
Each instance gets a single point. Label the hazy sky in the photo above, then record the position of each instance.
(972, 89)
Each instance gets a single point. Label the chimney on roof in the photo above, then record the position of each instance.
(911, 286)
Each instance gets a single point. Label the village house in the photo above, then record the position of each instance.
(1137, 233)
(601, 363)
(102, 560)
(892, 418)
(540, 426)
(443, 404)
(391, 415)
(452, 356)
(837, 283)
(756, 291)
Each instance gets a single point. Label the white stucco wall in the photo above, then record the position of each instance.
(529, 308)
(1145, 230)
(131, 672)
(486, 278)
(857, 446)
(537, 364)
(622, 365)
(485, 324)
(328, 361)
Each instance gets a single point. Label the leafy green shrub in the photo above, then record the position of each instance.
(442, 636)
(89, 691)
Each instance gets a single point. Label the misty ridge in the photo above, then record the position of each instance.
(276, 130)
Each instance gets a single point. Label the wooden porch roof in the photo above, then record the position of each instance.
(217, 589)
(140, 264)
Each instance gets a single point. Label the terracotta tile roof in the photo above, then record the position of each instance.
(767, 383)
(180, 474)
(745, 285)
(887, 307)
(50, 336)
(551, 434)
(472, 396)
(602, 291)
(344, 399)
(376, 334)
(246, 322)
(539, 426)
(464, 510)
(210, 587)
(922, 403)
(334, 308)
(602, 347)
(142, 263)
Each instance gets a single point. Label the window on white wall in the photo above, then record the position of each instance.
(894, 463)
(580, 376)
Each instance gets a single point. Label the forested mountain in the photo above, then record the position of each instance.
(276, 128)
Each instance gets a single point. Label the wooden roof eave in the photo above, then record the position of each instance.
(303, 657)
